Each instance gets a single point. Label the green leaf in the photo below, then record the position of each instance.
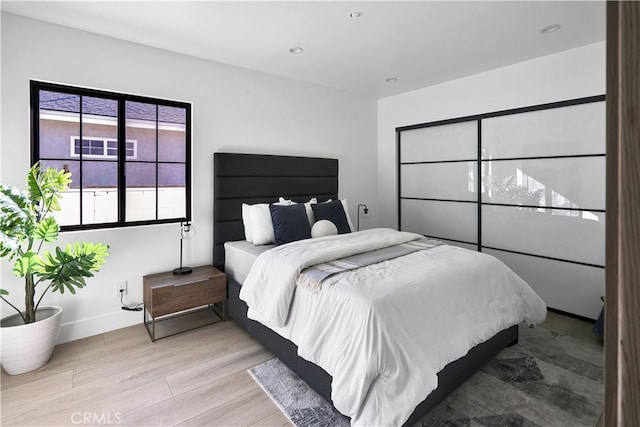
(26, 221)
(45, 188)
(16, 220)
(47, 230)
(4, 292)
(33, 183)
(71, 288)
(27, 264)
(9, 245)
(13, 200)
(54, 182)
(68, 268)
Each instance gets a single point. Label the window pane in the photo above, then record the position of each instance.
(78, 131)
(100, 174)
(546, 132)
(565, 182)
(570, 235)
(457, 141)
(141, 126)
(99, 125)
(59, 121)
(171, 134)
(102, 108)
(454, 181)
(93, 147)
(447, 220)
(131, 150)
(99, 192)
(141, 191)
(171, 191)
(569, 287)
(69, 213)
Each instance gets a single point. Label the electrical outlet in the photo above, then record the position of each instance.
(121, 286)
(368, 214)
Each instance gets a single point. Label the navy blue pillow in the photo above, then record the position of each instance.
(334, 212)
(290, 223)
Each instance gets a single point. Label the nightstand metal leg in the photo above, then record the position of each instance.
(221, 314)
(152, 331)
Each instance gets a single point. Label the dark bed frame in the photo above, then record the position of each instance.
(255, 178)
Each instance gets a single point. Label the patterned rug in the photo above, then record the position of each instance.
(546, 379)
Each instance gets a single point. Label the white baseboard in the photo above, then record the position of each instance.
(97, 325)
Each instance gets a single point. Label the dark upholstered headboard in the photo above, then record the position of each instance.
(258, 178)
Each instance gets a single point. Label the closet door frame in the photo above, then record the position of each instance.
(622, 311)
(595, 262)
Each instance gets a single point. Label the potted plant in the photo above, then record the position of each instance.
(27, 225)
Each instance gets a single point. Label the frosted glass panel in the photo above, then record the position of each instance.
(454, 181)
(566, 182)
(577, 129)
(458, 141)
(563, 286)
(570, 235)
(452, 220)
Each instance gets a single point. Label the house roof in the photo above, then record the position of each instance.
(58, 101)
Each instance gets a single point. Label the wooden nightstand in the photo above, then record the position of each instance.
(167, 296)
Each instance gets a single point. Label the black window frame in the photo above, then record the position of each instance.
(35, 88)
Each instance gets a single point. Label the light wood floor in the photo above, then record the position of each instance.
(197, 378)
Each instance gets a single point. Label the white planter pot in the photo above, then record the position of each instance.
(28, 347)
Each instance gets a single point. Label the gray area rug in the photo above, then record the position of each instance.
(546, 379)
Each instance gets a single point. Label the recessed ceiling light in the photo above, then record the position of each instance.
(550, 29)
(355, 14)
(296, 50)
(391, 79)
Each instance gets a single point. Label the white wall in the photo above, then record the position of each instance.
(234, 110)
(566, 75)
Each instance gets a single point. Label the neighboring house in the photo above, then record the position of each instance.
(153, 138)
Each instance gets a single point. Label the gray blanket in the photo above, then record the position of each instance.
(313, 277)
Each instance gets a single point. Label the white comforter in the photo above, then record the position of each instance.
(384, 331)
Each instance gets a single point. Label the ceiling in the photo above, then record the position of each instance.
(421, 43)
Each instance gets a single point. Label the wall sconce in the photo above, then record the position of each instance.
(187, 232)
(365, 211)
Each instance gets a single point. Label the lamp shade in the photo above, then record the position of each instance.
(187, 231)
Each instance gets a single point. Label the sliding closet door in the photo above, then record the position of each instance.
(438, 182)
(543, 208)
(526, 186)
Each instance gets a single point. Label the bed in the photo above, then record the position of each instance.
(251, 178)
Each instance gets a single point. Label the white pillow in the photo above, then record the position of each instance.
(285, 202)
(246, 221)
(310, 216)
(261, 224)
(324, 228)
(346, 212)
